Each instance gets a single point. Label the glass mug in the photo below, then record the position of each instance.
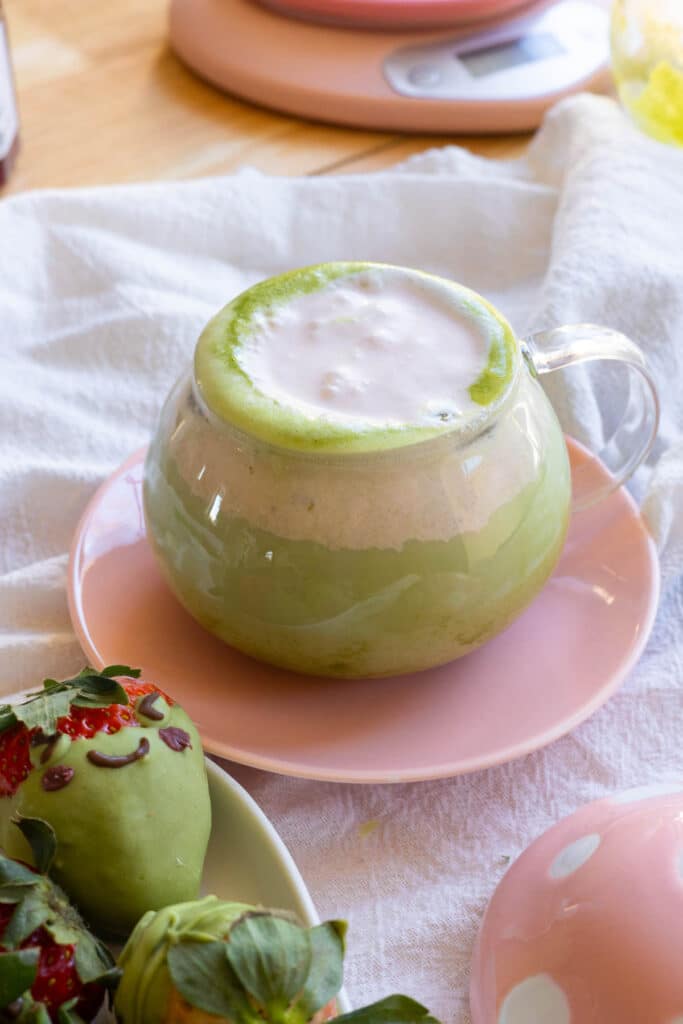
(373, 563)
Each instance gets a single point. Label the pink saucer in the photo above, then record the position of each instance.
(549, 671)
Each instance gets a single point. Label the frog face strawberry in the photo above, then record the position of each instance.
(212, 962)
(116, 768)
(51, 967)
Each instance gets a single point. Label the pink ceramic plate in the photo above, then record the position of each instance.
(556, 665)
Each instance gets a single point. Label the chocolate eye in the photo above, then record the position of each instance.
(176, 739)
(146, 707)
(56, 777)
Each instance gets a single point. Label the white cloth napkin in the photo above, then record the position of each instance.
(102, 294)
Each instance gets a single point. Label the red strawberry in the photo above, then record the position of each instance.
(56, 980)
(15, 762)
(107, 705)
(51, 967)
(84, 722)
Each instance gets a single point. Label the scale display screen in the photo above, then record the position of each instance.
(525, 50)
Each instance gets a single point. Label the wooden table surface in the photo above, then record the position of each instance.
(103, 99)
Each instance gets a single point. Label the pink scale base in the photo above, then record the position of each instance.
(549, 671)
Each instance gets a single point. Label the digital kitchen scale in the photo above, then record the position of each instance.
(364, 62)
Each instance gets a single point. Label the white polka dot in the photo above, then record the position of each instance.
(538, 1000)
(574, 856)
(631, 796)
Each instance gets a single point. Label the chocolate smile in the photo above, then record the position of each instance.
(119, 760)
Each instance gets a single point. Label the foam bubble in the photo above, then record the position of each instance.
(412, 340)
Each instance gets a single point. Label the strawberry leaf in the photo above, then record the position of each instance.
(66, 1013)
(98, 689)
(17, 974)
(327, 970)
(201, 973)
(87, 676)
(42, 839)
(31, 913)
(38, 1014)
(7, 717)
(13, 873)
(13, 893)
(94, 962)
(392, 1010)
(120, 670)
(272, 959)
(116, 695)
(43, 710)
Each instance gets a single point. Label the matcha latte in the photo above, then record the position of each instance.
(361, 476)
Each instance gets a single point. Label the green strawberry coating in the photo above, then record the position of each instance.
(145, 988)
(132, 836)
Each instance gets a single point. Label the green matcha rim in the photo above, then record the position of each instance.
(232, 397)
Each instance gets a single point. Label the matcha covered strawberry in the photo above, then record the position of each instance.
(211, 962)
(116, 768)
(51, 967)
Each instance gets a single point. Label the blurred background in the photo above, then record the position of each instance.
(103, 96)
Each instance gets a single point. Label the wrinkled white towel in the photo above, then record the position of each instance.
(102, 294)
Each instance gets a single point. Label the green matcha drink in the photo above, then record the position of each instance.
(361, 477)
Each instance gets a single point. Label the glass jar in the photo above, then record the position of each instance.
(359, 564)
(647, 61)
(385, 561)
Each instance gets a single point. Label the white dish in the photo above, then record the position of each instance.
(247, 860)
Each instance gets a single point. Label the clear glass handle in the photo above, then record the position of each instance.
(633, 438)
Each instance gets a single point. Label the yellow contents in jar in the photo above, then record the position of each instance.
(647, 61)
(659, 107)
